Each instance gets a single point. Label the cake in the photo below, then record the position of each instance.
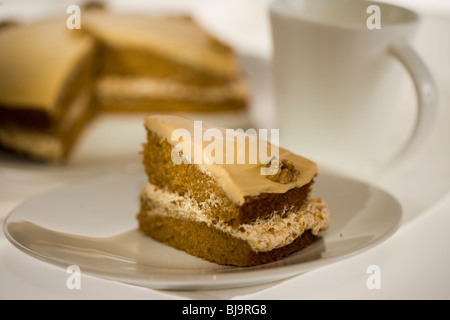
(163, 63)
(46, 80)
(228, 213)
(54, 80)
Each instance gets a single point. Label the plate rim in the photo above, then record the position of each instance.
(213, 281)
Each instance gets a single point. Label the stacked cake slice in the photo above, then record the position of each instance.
(227, 213)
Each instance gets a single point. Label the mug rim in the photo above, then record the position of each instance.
(274, 9)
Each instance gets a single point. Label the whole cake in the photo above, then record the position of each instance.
(54, 79)
(227, 213)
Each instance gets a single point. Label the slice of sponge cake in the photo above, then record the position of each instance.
(226, 213)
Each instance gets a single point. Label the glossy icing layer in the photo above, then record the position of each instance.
(238, 180)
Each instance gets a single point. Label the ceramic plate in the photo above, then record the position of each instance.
(92, 225)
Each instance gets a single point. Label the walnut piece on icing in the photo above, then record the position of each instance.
(287, 172)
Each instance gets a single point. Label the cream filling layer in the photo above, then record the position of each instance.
(262, 235)
(135, 88)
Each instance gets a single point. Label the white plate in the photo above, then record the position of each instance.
(93, 225)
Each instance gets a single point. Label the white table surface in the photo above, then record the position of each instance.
(414, 263)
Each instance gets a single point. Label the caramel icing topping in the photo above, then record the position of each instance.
(177, 38)
(36, 61)
(237, 180)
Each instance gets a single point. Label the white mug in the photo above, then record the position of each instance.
(338, 68)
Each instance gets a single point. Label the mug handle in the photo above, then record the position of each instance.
(427, 98)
